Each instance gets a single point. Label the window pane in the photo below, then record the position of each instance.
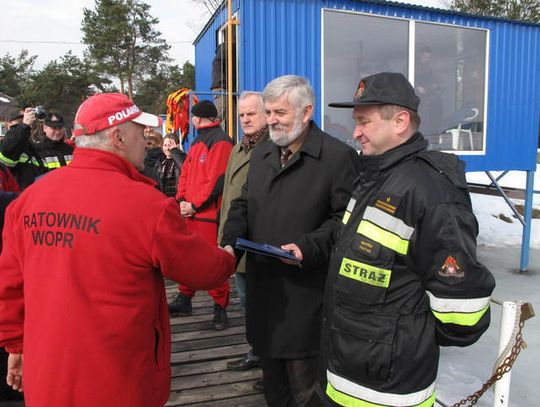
(449, 78)
(357, 45)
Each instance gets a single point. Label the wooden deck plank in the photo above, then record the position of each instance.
(225, 392)
(200, 317)
(208, 343)
(210, 354)
(214, 379)
(200, 377)
(189, 335)
(204, 325)
(254, 400)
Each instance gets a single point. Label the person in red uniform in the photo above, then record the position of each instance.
(86, 249)
(9, 190)
(200, 189)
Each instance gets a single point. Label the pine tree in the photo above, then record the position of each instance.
(122, 40)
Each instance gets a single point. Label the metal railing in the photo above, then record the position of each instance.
(514, 315)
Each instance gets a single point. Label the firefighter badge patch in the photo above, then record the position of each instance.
(451, 268)
(388, 203)
(360, 90)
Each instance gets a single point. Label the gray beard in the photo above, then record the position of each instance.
(283, 138)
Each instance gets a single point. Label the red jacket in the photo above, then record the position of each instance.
(203, 172)
(81, 274)
(7, 181)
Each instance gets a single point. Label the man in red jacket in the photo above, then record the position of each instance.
(81, 273)
(200, 189)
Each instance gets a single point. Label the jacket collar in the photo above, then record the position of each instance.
(373, 165)
(209, 125)
(91, 158)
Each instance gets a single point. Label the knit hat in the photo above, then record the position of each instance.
(104, 110)
(385, 88)
(204, 108)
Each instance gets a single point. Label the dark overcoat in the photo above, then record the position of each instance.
(302, 203)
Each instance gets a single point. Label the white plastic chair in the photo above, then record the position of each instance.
(457, 131)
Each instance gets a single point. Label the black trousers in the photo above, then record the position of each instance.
(291, 382)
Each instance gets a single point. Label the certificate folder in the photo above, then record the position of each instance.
(264, 249)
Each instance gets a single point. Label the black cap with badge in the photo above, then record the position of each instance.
(55, 121)
(385, 88)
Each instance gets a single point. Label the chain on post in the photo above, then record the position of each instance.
(524, 312)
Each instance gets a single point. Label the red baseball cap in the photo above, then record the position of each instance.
(104, 110)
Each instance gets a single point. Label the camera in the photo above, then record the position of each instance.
(40, 112)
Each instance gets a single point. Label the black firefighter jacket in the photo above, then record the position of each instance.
(28, 159)
(301, 203)
(403, 279)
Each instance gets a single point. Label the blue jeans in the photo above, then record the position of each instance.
(240, 279)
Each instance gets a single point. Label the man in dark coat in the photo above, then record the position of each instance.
(297, 189)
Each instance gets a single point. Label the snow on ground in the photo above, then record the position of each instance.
(493, 230)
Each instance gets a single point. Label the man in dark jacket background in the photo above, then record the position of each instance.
(296, 192)
(403, 278)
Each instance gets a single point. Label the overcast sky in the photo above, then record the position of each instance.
(50, 29)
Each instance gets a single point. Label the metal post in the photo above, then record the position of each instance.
(230, 119)
(505, 197)
(502, 386)
(526, 237)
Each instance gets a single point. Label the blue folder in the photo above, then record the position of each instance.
(264, 249)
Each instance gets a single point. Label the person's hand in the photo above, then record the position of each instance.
(186, 209)
(169, 144)
(229, 249)
(296, 252)
(29, 116)
(14, 376)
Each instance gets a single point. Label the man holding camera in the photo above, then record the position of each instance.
(31, 156)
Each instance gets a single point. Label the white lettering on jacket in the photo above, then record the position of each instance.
(124, 114)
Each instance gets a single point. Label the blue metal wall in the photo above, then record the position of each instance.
(279, 37)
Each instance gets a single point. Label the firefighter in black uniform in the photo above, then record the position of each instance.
(403, 278)
(30, 158)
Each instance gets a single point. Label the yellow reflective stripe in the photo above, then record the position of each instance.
(460, 318)
(346, 217)
(365, 273)
(52, 165)
(359, 395)
(36, 162)
(388, 222)
(7, 161)
(345, 400)
(384, 237)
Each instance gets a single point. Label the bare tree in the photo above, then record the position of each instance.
(521, 10)
(211, 5)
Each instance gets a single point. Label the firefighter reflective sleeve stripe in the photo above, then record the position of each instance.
(54, 162)
(386, 229)
(23, 159)
(350, 394)
(466, 312)
(365, 273)
(348, 211)
(7, 161)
